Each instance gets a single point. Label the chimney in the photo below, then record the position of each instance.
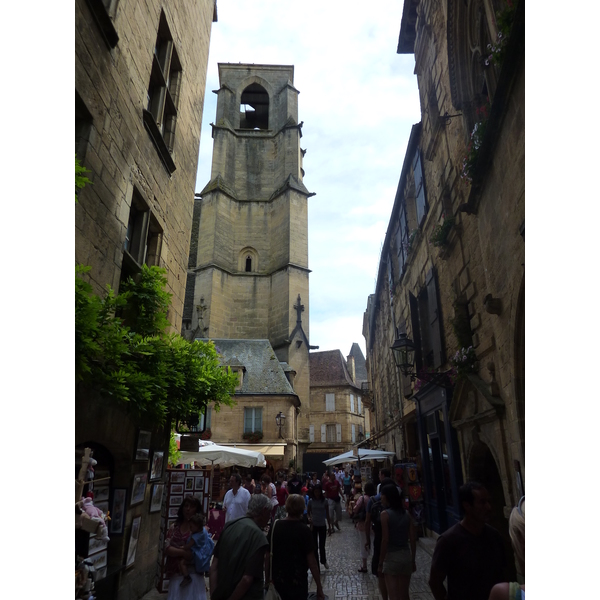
(351, 367)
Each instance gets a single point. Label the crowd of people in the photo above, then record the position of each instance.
(277, 532)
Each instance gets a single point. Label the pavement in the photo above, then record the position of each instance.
(342, 579)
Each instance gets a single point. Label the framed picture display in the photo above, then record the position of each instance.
(142, 451)
(175, 500)
(99, 560)
(173, 512)
(138, 490)
(96, 545)
(177, 488)
(103, 506)
(157, 466)
(199, 483)
(177, 476)
(133, 540)
(117, 514)
(170, 523)
(101, 494)
(199, 495)
(189, 484)
(188, 495)
(158, 490)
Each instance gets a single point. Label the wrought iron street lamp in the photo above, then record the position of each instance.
(280, 420)
(404, 355)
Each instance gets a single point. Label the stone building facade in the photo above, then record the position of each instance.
(337, 416)
(140, 76)
(451, 274)
(248, 266)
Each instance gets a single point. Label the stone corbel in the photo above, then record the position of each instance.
(493, 306)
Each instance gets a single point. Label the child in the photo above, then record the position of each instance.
(201, 545)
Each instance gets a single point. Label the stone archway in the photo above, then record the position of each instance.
(482, 467)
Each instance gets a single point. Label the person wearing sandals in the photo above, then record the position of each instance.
(397, 561)
(293, 553)
(319, 521)
(359, 514)
(516, 530)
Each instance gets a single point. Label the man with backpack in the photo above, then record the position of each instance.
(373, 521)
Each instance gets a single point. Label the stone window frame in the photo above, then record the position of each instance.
(254, 410)
(247, 117)
(143, 237)
(164, 91)
(247, 82)
(248, 253)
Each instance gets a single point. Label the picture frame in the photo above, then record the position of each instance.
(142, 450)
(199, 483)
(96, 545)
(138, 490)
(188, 495)
(103, 506)
(99, 560)
(158, 490)
(189, 484)
(173, 512)
(117, 514)
(170, 523)
(156, 470)
(199, 495)
(177, 488)
(177, 476)
(101, 494)
(175, 500)
(133, 540)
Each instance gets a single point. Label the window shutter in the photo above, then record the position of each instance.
(416, 332)
(351, 402)
(258, 419)
(353, 433)
(311, 434)
(330, 402)
(338, 432)
(402, 240)
(390, 271)
(247, 420)
(435, 318)
(420, 199)
(359, 406)
(323, 433)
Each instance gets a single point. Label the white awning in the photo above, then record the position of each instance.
(267, 450)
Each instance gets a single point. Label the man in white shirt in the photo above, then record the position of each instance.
(236, 499)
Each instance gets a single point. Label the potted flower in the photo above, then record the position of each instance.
(441, 231)
(206, 435)
(253, 436)
(465, 361)
(477, 135)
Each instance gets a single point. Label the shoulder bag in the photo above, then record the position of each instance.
(272, 593)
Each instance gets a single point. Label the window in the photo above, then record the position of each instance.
(248, 260)
(252, 420)
(402, 239)
(330, 402)
(143, 238)
(248, 264)
(311, 433)
(104, 12)
(83, 127)
(351, 402)
(359, 406)
(331, 431)
(420, 199)
(206, 416)
(353, 433)
(160, 115)
(254, 109)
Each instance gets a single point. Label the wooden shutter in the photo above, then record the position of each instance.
(353, 433)
(323, 433)
(311, 434)
(330, 402)
(420, 200)
(435, 319)
(416, 332)
(390, 271)
(359, 406)
(402, 240)
(338, 432)
(351, 402)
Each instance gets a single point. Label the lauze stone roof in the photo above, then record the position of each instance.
(328, 369)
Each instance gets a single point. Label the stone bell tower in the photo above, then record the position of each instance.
(248, 270)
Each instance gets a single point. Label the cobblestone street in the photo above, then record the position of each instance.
(343, 580)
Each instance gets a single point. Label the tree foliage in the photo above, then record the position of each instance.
(80, 177)
(122, 349)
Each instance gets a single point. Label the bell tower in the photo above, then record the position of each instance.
(248, 271)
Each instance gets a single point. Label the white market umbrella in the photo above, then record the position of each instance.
(363, 453)
(222, 456)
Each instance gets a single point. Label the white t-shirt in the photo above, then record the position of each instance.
(236, 504)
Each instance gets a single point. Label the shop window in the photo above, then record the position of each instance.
(330, 402)
(252, 420)
(254, 109)
(160, 114)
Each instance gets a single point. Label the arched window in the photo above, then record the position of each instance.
(248, 260)
(248, 264)
(254, 108)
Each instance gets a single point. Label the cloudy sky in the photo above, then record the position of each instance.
(358, 100)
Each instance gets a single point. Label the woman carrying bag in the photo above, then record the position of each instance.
(292, 554)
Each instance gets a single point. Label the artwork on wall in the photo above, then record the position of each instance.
(142, 451)
(177, 488)
(133, 540)
(199, 485)
(157, 497)
(189, 484)
(117, 514)
(175, 500)
(157, 466)
(138, 490)
(177, 477)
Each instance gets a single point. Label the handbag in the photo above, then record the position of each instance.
(272, 593)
